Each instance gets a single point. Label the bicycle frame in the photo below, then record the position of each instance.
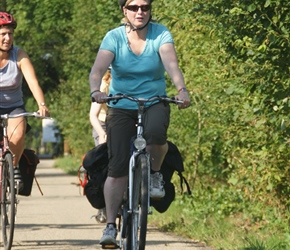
(5, 143)
(139, 167)
(137, 152)
(8, 193)
(4, 148)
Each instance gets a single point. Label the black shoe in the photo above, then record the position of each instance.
(18, 180)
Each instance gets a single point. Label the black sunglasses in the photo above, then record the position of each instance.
(135, 8)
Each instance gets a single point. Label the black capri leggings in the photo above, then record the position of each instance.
(121, 127)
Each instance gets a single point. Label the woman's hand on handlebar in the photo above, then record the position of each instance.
(100, 97)
(183, 96)
(43, 111)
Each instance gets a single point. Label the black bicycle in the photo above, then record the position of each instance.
(136, 206)
(8, 201)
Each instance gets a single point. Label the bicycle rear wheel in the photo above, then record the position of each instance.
(7, 201)
(140, 203)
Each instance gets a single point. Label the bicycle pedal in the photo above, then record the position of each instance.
(110, 246)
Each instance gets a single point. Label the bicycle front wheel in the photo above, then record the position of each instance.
(140, 203)
(7, 201)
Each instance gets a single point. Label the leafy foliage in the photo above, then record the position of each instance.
(79, 53)
(239, 137)
(257, 36)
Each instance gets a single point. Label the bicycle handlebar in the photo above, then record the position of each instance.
(135, 99)
(33, 114)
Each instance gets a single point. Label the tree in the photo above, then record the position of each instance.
(256, 36)
(89, 24)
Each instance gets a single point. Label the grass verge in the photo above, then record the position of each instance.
(69, 164)
(187, 218)
(210, 218)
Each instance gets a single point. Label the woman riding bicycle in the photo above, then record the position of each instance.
(139, 51)
(14, 64)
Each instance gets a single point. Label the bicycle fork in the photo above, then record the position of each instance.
(131, 180)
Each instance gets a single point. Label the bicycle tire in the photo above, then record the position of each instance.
(134, 216)
(144, 200)
(7, 201)
(140, 204)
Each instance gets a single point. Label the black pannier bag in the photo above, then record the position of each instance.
(96, 164)
(172, 162)
(27, 166)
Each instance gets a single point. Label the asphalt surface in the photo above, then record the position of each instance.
(60, 219)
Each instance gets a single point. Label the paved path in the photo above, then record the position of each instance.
(61, 218)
